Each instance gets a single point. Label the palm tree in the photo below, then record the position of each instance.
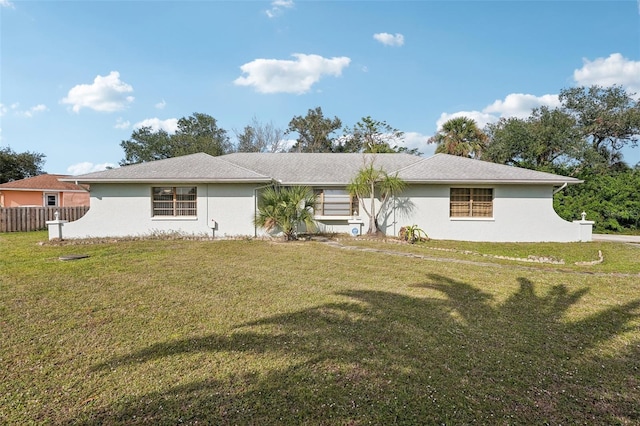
(460, 136)
(286, 208)
(366, 184)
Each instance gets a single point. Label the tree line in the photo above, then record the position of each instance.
(314, 133)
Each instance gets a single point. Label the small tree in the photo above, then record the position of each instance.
(370, 182)
(259, 137)
(286, 208)
(373, 136)
(460, 136)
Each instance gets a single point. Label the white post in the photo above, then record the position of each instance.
(585, 228)
(55, 227)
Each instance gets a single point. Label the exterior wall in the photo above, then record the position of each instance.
(74, 199)
(521, 213)
(36, 198)
(22, 198)
(126, 210)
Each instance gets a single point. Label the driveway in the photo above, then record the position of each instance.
(617, 238)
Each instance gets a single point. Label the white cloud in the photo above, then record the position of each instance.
(122, 124)
(7, 3)
(514, 105)
(87, 167)
(390, 39)
(616, 69)
(287, 76)
(520, 105)
(106, 94)
(15, 108)
(33, 110)
(161, 104)
(284, 145)
(418, 140)
(277, 7)
(170, 125)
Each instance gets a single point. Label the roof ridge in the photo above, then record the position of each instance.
(242, 167)
(420, 160)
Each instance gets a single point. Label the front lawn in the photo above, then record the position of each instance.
(256, 332)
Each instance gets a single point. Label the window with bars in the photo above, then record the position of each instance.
(471, 202)
(175, 201)
(334, 202)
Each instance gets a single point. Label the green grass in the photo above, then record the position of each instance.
(618, 257)
(253, 332)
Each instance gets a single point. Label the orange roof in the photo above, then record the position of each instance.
(44, 182)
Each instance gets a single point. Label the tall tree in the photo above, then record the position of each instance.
(608, 118)
(259, 137)
(197, 133)
(460, 136)
(16, 166)
(370, 182)
(373, 136)
(286, 208)
(314, 131)
(145, 145)
(547, 140)
(200, 133)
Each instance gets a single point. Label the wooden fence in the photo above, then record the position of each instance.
(21, 219)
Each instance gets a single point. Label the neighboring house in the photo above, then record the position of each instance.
(43, 191)
(448, 197)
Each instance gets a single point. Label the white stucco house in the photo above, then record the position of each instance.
(448, 197)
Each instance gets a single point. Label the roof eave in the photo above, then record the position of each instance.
(42, 190)
(494, 182)
(171, 180)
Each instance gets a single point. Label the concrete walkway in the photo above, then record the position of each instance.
(617, 238)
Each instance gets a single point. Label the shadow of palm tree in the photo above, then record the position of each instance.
(386, 358)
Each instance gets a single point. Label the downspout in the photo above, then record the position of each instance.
(564, 185)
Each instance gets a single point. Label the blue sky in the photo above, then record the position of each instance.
(77, 77)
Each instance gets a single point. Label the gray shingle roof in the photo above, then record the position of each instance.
(320, 169)
(443, 168)
(317, 168)
(189, 168)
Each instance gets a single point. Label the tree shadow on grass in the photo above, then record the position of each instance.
(385, 358)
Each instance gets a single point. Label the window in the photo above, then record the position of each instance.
(334, 202)
(51, 200)
(175, 201)
(471, 202)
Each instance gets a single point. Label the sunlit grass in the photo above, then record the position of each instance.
(257, 332)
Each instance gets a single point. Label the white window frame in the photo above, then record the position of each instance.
(335, 203)
(477, 196)
(175, 207)
(56, 197)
